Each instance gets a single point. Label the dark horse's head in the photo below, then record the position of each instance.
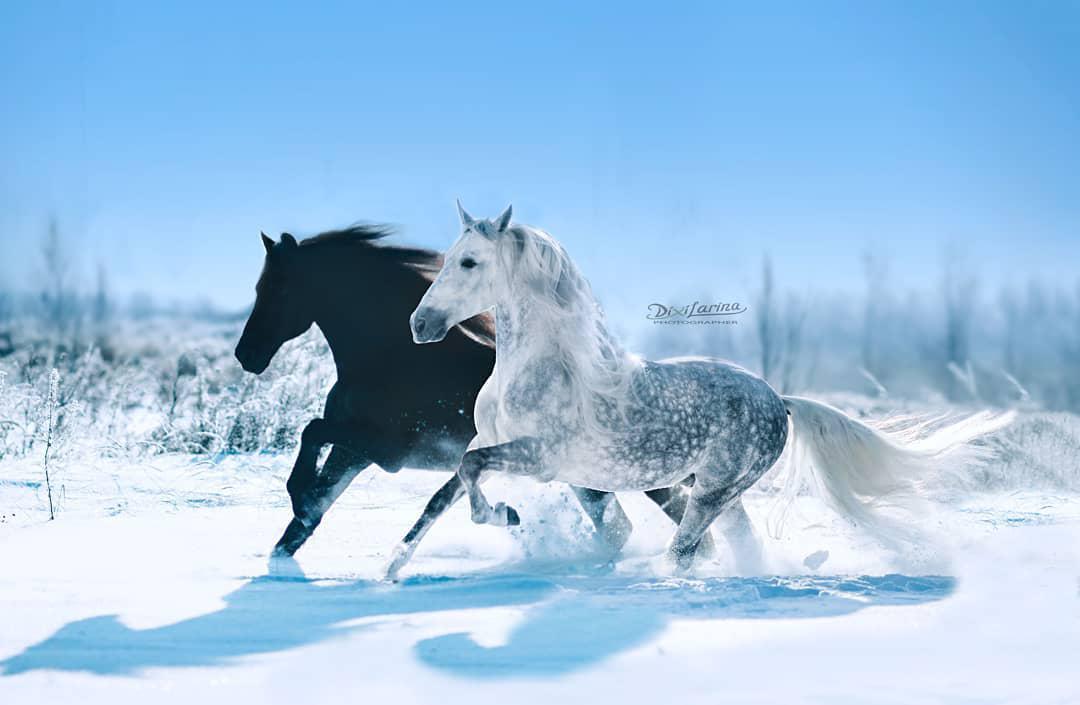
(280, 313)
(321, 279)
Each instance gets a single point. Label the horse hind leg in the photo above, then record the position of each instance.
(707, 502)
(340, 469)
(672, 501)
(744, 541)
(607, 515)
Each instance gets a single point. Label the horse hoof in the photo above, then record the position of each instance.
(294, 537)
(503, 515)
(680, 561)
(398, 559)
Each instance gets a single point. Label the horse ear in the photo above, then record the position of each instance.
(503, 221)
(288, 240)
(466, 219)
(268, 242)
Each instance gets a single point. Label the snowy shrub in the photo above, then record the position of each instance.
(1038, 451)
(162, 387)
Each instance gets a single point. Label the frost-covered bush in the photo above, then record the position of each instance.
(1038, 451)
(158, 387)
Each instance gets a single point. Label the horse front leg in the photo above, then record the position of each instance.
(519, 457)
(308, 489)
(339, 470)
(443, 499)
(304, 472)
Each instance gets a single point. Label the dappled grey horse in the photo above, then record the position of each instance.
(565, 402)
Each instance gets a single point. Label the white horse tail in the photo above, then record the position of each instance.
(858, 469)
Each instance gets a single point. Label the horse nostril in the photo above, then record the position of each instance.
(419, 324)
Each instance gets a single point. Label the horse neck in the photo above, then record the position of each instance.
(516, 330)
(361, 304)
(522, 335)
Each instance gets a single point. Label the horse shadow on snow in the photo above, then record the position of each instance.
(571, 621)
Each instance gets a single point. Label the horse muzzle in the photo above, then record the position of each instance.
(428, 325)
(252, 361)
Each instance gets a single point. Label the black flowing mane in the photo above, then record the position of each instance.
(370, 237)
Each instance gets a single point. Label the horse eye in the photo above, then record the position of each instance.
(468, 263)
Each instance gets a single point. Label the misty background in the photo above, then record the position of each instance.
(890, 188)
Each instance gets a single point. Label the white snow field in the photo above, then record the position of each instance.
(153, 585)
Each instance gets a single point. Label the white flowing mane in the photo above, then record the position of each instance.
(542, 277)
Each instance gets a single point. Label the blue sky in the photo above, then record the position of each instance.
(667, 145)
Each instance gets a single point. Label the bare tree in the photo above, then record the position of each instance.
(780, 331)
(57, 297)
(959, 296)
(7, 308)
(101, 308)
(7, 312)
(1071, 355)
(875, 269)
(794, 323)
(767, 321)
(1012, 317)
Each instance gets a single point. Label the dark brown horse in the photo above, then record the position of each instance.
(394, 403)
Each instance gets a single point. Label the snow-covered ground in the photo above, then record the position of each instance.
(153, 585)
